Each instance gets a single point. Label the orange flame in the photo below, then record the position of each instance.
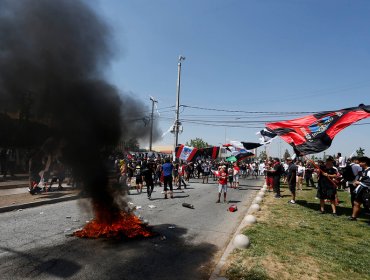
(123, 225)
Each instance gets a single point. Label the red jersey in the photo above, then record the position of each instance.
(236, 170)
(222, 180)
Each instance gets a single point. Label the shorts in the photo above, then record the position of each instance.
(269, 181)
(236, 178)
(139, 181)
(222, 188)
(205, 174)
(362, 195)
(231, 179)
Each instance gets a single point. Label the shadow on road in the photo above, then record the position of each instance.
(169, 255)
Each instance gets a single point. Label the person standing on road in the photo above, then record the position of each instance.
(167, 169)
(147, 175)
(181, 172)
(236, 172)
(230, 173)
(206, 169)
(139, 179)
(222, 184)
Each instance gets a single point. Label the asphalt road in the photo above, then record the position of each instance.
(35, 242)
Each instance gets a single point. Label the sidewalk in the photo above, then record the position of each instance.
(14, 195)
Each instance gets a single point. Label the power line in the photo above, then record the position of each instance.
(242, 111)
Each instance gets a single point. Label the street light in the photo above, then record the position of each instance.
(177, 123)
(151, 123)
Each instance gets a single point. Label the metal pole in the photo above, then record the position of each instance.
(176, 124)
(151, 124)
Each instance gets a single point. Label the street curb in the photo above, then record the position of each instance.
(37, 203)
(8, 187)
(215, 275)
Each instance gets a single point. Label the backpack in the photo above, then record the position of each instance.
(347, 173)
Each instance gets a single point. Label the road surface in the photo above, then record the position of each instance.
(35, 242)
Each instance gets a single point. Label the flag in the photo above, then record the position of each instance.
(315, 133)
(185, 152)
(211, 152)
(250, 145)
(266, 136)
(237, 147)
(240, 156)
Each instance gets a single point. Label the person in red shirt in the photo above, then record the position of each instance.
(236, 172)
(222, 184)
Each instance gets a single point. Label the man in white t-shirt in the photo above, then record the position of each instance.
(356, 169)
(341, 161)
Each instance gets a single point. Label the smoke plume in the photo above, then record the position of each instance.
(52, 57)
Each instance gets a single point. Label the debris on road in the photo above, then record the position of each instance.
(171, 227)
(152, 206)
(188, 205)
(233, 208)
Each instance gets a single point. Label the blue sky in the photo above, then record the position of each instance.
(261, 55)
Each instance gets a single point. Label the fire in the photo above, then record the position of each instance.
(124, 225)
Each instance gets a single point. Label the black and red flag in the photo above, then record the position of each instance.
(250, 145)
(315, 133)
(211, 152)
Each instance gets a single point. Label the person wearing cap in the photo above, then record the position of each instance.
(222, 183)
(327, 188)
(291, 178)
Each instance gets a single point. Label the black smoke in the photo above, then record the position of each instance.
(52, 60)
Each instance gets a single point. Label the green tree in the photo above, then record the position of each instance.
(286, 154)
(197, 143)
(360, 152)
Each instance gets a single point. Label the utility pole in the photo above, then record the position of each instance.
(177, 123)
(151, 123)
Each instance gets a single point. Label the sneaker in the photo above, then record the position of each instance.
(291, 201)
(277, 196)
(334, 215)
(322, 212)
(352, 218)
(218, 201)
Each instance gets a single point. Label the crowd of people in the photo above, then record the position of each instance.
(332, 174)
(177, 174)
(326, 176)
